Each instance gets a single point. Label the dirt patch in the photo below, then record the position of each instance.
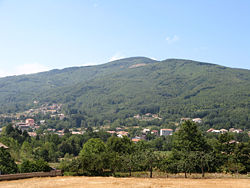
(137, 65)
(102, 182)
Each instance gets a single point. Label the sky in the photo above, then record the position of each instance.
(40, 35)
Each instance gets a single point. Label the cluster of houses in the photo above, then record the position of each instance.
(77, 131)
(53, 109)
(163, 132)
(29, 125)
(147, 117)
(233, 130)
(196, 120)
(120, 133)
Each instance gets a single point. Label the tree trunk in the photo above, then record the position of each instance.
(151, 172)
(202, 171)
(130, 172)
(185, 174)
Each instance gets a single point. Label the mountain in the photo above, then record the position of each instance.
(174, 88)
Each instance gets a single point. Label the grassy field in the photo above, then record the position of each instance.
(102, 182)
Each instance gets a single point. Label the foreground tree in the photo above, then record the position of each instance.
(93, 157)
(151, 160)
(7, 164)
(147, 158)
(121, 153)
(202, 160)
(191, 148)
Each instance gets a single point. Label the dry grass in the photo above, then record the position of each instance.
(102, 182)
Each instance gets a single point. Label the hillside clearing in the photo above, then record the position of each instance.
(96, 182)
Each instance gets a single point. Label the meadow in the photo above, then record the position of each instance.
(111, 182)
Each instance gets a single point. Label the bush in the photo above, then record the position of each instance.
(34, 166)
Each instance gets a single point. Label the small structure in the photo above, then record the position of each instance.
(215, 131)
(137, 116)
(3, 146)
(233, 142)
(145, 131)
(30, 122)
(210, 130)
(42, 122)
(155, 132)
(197, 120)
(23, 126)
(135, 140)
(122, 134)
(60, 132)
(76, 132)
(185, 119)
(223, 130)
(237, 131)
(33, 134)
(166, 132)
(111, 132)
(61, 116)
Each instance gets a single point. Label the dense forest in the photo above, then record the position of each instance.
(120, 89)
(187, 151)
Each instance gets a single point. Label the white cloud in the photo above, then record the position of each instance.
(31, 68)
(173, 39)
(153, 58)
(3, 73)
(116, 57)
(28, 68)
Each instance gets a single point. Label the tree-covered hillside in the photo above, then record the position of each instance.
(120, 89)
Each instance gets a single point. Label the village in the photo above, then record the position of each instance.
(25, 122)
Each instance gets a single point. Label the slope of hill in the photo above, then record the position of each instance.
(119, 89)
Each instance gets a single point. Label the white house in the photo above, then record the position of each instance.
(165, 132)
(145, 131)
(197, 120)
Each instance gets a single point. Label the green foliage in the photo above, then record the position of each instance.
(191, 148)
(26, 151)
(118, 90)
(120, 145)
(7, 164)
(15, 133)
(189, 138)
(14, 146)
(169, 164)
(34, 166)
(93, 157)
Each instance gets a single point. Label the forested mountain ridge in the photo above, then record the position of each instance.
(173, 88)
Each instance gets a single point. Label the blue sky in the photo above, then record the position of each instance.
(39, 35)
